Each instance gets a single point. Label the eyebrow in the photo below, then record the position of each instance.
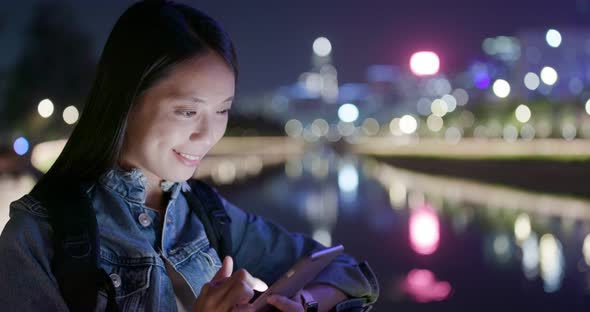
(180, 95)
(199, 100)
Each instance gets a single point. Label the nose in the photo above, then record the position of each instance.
(202, 131)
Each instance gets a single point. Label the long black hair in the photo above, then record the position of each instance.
(146, 43)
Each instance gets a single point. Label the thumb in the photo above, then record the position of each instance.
(225, 271)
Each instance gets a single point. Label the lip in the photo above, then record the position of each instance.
(186, 161)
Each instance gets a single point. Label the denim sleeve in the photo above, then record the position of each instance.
(27, 283)
(267, 250)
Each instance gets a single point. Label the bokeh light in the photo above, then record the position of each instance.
(552, 262)
(21, 146)
(294, 128)
(501, 88)
(348, 178)
(553, 38)
(348, 112)
(322, 46)
(510, 133)
(568, 131)
(453, 135)
(408, 124)
(45, 108)
(424, 230)
(225, 173)
(44, 154)
(461, 96)
(527, 132)
(70, 115)
(439, 108)
(522, 227)
(451, 102)
(531, 81)
(434, 123)
(549, 75)
(423, 287)
(586, 249)
(424, 63)
(522, 113)
(320, 127)
(394, 127)
(371, 126)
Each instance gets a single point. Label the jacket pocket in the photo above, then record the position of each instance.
(130, 278)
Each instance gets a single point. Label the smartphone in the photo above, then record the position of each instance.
(298, 276)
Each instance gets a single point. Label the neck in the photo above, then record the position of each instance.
(154, 193)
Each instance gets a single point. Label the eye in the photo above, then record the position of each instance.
(223, 112)
(187, 114)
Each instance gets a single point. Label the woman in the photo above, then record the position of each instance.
(119, 200)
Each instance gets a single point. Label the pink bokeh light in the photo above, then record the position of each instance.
(423, 287)
(424, 230)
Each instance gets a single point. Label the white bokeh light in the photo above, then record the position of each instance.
(553, 38)
(522, 227)
(439, 108)
(424, 63)
(348, 112)
(501, 88)
(451, 102)
(45, 108)
(348, 178)
(294, 128)
(434, 123)
(322, 46)
(531, 81)
(70, 115)
(549, 75)
(523, 113)
(408, 124)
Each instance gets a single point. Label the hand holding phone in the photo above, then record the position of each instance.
(298, 276)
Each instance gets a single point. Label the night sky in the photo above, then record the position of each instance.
(274, 38)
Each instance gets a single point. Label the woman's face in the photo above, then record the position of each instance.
(177, 121)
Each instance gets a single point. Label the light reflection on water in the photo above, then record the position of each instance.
(533, 239)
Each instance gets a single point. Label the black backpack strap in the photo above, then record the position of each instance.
(207, 205)
(76, 245)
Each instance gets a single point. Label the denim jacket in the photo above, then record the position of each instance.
(138, 243)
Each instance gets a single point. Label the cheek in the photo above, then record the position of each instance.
(221, 127)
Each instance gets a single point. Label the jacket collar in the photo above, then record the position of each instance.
(132, 185)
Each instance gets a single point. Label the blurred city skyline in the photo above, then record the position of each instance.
(362, 34)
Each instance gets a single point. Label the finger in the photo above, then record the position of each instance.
(225, 271)
(284, 304)
(252, 282)
(239, 288)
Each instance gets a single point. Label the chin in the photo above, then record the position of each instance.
(180, 176)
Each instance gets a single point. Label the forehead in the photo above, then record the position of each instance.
(206, 75)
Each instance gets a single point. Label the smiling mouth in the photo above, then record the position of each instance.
(188, 156)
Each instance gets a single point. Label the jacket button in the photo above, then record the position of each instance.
(116, 279)
(144, 219)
